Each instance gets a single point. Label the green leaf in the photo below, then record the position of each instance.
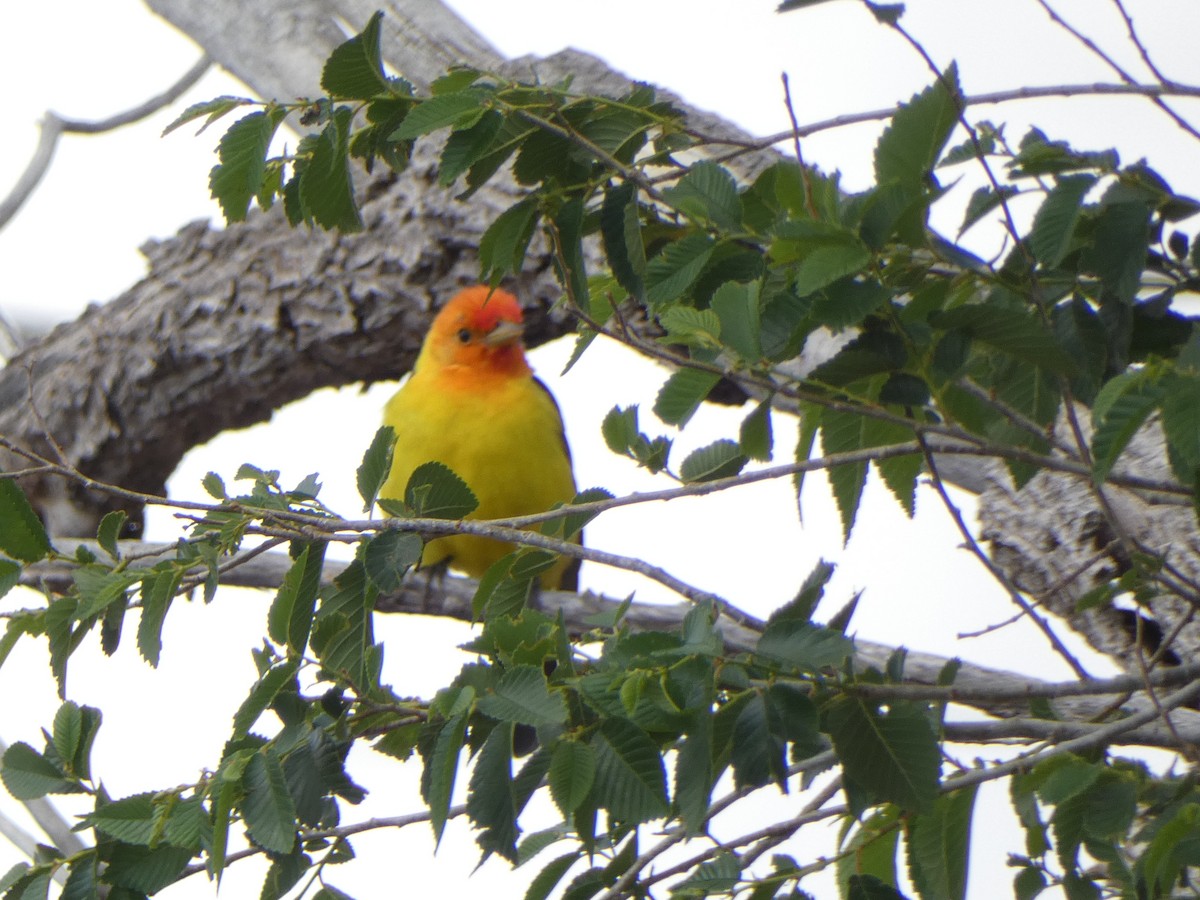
(522, 695)
(844, 432)
(348, 648)
(110, 530)
(289, 620)
(847, 302)
(389, 555)
(502, 247)
(737, 309)
(467, 146)
(1181, 422)
(267, 808)
(158, 590)
(435, 492)
(1055, 221)
(620, 229)
(375, 466)
(82, 881)
(720, 459)
(939, 846)
(22, 535)
(825, 265)
(214, 109)
(682, 394)
(441, 767)
(694, 327)
(868, 887)
(717, 876)
(10, 577)
(572, 774)
(1122, 407)
(326, 185)
(490, 801)
(144, 871)
(910, 146)
(757, 754)
(982, 202)
(675, 269)
(694, 773)
(354, 69)
(708, 193)
(458, 110)
(1120, 240)
(284, 873)
(552, 873)
(871, 850)
(262, 695)
(803, 645)
(894, 756)
(1014, 331)
(242, 152)
(630, 778)
(755, 436)
(29, 775)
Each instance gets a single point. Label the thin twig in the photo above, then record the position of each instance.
(54, 126)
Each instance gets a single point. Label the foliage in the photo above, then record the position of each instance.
(641, 733)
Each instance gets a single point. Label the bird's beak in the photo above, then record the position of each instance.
(505, 332)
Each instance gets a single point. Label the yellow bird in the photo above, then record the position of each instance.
(473, 404)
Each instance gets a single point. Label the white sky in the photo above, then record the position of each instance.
(76, 242)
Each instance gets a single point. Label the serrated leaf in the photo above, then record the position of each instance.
(1055, 221)
(82, 881)
(827, 264)
(267, 807)
(490, 802)
(326, 185)
(354, 69)
(214, 109)
(289, 620)
(22, 535)
(757, 754)
(630, 778)
(443, 111)
(67, 732)
(982, 202)
(145, 871)
(803, 645)
(467, 146)
(435, 492)
(911, 144)
(844, 432)
(572, 774)
(672, 272)
(755, 436)
(1119, 416)
(110, 530)
(546, 880)
(523, 696)
(441, 767)
(694, 327)
(737, 309)
(29, 775)
(214, 486)
(375, 466)
(242, 152)
(894, 756)
(502, 247)
(939, 844)
(720, 459)
(389, 555)
(262, 695)
(620, 230)
(158, 590)
(1014, 331)
(682, 394)
(708, 193)
(1181, 422)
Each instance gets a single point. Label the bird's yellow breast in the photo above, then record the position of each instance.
(503, 437)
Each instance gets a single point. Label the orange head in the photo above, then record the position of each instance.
(479, 331)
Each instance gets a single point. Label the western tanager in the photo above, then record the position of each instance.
(473, 404)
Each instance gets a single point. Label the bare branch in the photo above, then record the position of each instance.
(55, 126)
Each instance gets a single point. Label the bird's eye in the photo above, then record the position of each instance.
(464, 335)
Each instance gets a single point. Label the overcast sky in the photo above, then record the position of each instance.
(77, 241)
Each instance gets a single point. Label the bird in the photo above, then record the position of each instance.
(473, 404)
